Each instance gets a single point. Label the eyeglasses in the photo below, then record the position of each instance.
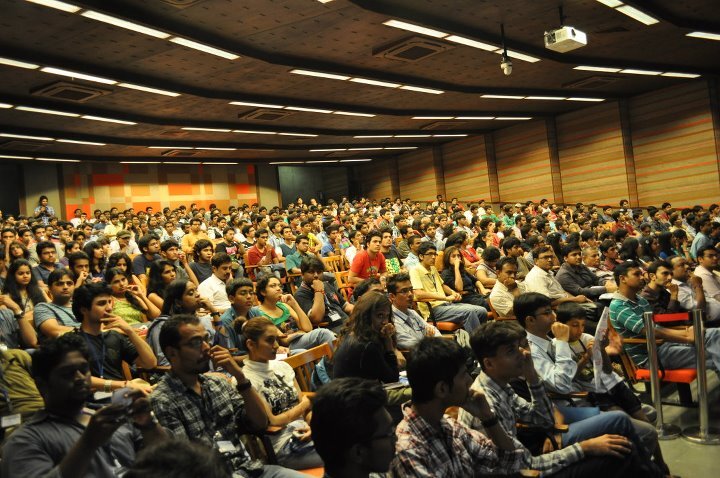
(433, 254)
(197, 342)
(406, 290)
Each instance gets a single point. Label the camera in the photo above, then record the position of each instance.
(506, 66)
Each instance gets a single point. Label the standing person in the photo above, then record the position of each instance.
(43, 211)
(284, 403)
(193, 405)
(64, 439)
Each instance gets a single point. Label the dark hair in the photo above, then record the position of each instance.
(363, 287)
(371, 234)
(179, 459)
(261, 285)
(700, 252)
(90, 249)
(254, 328)
(301, 237)
(606, 245)
(490, 336)
(433, 360)
(655, 265)
(155, 279)
(623, 268)
(342, 417)
(455, 239)
(505, 260)
(509, 243)
(25, 251)
(392, 281)
(220, 258)
(11, 287)
(360, 322)
(85, 294)
(172, 302)
(425, 247)
(115, 258)
(170, 332)
(446, 258)
(312, 264)
(235, 284)
(526, 304)
(144, 241)
(52, 352)
(569, 248)
(58, 274)
(491, 253)
(167, 244)
(568, 311)
(199, 246)
(41, 246)
(628, 250)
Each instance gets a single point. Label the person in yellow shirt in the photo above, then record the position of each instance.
(195, 234)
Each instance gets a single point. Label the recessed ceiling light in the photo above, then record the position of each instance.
(603, 69)
(107, 120)
(422, 90)
(182, 162)
(326, 150)
(76, 75)
(449, 135)
(680, 75)
(368, 81)
(65, 7)
(19, 64)
(415, 28)
(513, 118)
(242, 131)
(170, 147)
(7, 156)
(611, 3)
(547, 98)
(350, 113)
(433, 117)
(73, 141)
(319, 161)
(217, 149)
(58, 160)
(24, 136)
(703, 35)
(374, 136)
(320, 74)
(299, 134)
(475, 117)
(5, 106)
(214, 130)
(584, 99)
(638, 15)
(140, 162)
(401, 147)
(472, 43)
(205, 48)
(258, 105)
(119, 22)
(355, 160)
(309, 110)
(411, 136)
(632, 71)
(47, 112)
(502, 97)
(148, 89)
(364, 149)
(224, 164)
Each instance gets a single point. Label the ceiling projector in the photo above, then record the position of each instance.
(565, 39)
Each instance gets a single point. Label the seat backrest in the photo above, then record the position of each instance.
(304, 364)
(343, 284)
(333, 263)
(629, 368)
(439, 260)
(665, 318)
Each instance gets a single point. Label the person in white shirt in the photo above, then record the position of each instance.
(124, 244)
(214, 287)
(410, 327)
(691, 293)
(707, 258)
(540, 279)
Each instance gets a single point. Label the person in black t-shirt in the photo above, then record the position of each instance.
(319, 299)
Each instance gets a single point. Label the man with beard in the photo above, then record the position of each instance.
(66, 439)
(205, 408)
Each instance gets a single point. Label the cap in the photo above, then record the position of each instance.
(123, 233)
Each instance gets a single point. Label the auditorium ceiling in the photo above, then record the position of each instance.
(332, 80)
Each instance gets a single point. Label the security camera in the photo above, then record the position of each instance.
(506, 66)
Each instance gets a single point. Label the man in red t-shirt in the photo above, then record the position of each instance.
(260, 254)
(369, 262)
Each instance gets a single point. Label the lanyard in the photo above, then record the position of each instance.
(406, 320)
(99, 361)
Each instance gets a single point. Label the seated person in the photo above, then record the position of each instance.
(577, 279)
(129, 303)
(707, 258)
(626, 314)
(608, 438)
(241, 293)
(331, 247)
(214, 287)
(320, 300)
(368, 262)
(48, 262)
(591, 259)
(427, 284)
(202, 255)
(691, 293)
(284, 311)
(432, 444)
(486, 270)
(284, 403)
(506, 288)
(352, 430)
(149, 246)
(52, 319)
(261, 257)
(455, 276)
(512, 247)
(659, 291)
(410, 327)
(178, 458)
(21, 394)
(64, 439)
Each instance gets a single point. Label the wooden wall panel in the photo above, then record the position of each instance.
(674, 145)
(335, 183)
(523, 162)
(417, 175)
(466, 170)
(592, 162)
(374, 179)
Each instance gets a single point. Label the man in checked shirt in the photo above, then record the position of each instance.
(603, 445)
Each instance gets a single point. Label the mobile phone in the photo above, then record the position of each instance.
(119, 398)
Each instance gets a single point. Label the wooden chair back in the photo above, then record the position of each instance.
(334, 263)
(304, 364)
(343, 284)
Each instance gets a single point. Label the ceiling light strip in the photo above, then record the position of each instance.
(204, 48)
(65, 7)
(119, 22)
(630, 11)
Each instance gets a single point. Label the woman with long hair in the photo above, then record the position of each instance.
(284, 311)
(470, 257)
(161, 274)
(123, 262)
(284, 403)
(21, 293)
(456, 276)
(17, 250)
(97, 259)
(130, 304)
(630, 250)
(650, 249)
(70, 247)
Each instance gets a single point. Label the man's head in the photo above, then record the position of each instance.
(512, 247)
(591, 257)
(8, 234)
(387, 239)
(92, 302)
(61, 285)
(544, 257)
(185, 343)
(221, 266)
(681, 268)
(79, 262)
(497, 346)
(170, 249)
(400, 290)
(708, 257)
(572, 254)
(47, 253)
(62, 372)
(629, 278)
(572, 315)
(149, 244)
(241, 293)
(261, 236)
(373, 241)
(311, 269)
(437, 372)
(302, 243)
(195, 225)
(413, 243)
(203, 251)
(351, 428)
(427, 253)
(534, 312)
(660, 274)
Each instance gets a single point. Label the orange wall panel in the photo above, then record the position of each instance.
(465, 169)
(417, 175)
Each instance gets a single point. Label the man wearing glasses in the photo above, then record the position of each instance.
(208, 409)
(445, 302)
(410, 327)
(541, 279)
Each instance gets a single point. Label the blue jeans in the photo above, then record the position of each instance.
(673, 355)
(312, 339)
(470, 316)
(275, 471)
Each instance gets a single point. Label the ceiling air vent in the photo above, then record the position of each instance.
(178, 153)
(16, 145)
(444, 125)
(182, 3)
(264, 114)
(70, 91)
(592, 82)
(412, 49)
